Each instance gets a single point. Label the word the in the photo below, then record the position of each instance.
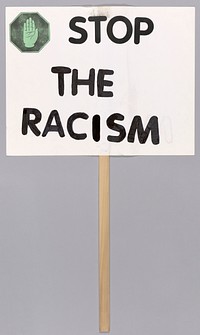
(90, 82)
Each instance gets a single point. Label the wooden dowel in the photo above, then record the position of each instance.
(104, 244)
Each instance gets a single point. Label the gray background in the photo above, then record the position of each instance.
(49, 234)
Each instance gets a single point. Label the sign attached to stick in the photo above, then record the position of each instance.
(100, 81)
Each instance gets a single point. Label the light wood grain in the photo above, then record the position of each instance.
(104, 244)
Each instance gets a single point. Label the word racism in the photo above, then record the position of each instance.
(32, 116)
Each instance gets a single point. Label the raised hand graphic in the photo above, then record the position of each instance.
(30, 33)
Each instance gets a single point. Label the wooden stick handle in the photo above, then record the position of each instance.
(104, 244)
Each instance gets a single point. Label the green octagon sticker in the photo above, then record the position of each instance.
(29, 32)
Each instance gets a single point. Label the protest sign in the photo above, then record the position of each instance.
(100, 81)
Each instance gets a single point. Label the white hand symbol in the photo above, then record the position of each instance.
(30, 33)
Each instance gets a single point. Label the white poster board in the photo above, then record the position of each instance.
(100, 80)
